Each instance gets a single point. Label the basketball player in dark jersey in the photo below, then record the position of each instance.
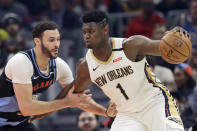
(30, 73)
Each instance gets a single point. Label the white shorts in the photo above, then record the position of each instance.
(153, 118)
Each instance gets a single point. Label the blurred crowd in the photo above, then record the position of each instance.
(150, 18)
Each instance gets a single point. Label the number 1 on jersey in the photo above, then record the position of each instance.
(122, 91)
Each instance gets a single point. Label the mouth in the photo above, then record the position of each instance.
(55, 50)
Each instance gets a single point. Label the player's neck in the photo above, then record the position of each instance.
(41, 59)
(103, 52)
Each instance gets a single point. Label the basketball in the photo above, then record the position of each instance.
(175, 48)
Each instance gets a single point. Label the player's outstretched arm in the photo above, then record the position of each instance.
(82, 82)
(141, 45)
(29, 107)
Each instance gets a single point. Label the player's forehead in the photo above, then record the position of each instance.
(90, 25)
(51, 33)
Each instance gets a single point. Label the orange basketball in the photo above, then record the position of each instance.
(175, 48)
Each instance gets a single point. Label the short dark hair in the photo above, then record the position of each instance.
(96, 16)
(43, 26)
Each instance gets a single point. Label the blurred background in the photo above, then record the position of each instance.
(150, 18)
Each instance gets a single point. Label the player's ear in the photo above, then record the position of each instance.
(37, 41)
(106, 30)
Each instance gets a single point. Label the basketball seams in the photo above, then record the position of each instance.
(181, 41)
(174, 62)
(173, 48)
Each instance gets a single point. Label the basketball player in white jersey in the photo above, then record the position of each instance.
(119, 67)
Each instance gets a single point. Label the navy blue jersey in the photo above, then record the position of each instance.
(8, 102)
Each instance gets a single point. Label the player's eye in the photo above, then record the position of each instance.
(91, 31)
(52, 40)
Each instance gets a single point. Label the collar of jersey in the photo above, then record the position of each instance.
(40, 73)
(109, 59)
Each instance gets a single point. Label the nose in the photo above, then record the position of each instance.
(86, 36)
(86, 121)
(57, 44)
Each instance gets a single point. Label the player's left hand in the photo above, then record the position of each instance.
(111, 110)
(181, 31)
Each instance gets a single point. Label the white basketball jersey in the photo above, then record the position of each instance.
(131, 85)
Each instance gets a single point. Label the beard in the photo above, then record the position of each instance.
(47, 52)
(89, 47)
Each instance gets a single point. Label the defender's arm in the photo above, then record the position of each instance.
(30, 107)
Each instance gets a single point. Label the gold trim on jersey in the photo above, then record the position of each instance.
(109, 59)
(170, 105)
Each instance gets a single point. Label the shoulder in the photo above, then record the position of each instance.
(61, 65)
(132, 46)
(132, 41)
(82, 67)
(19, 58)
(135, 40)
(19, 67)
(82, 63)
(60, 61)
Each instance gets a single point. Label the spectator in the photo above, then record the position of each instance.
(90, 5)
(158, 31)
(87, 121)
(167, 5)
(186, 86)
(194, 128)
(192, 61)
(61, 14)
(8, 6)
(190, 21)
(3, 52)
(186, 19)
(35, 7)
(143, 24)
(132, 6)
(36, 12)
(114, 6)
(15, 42)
